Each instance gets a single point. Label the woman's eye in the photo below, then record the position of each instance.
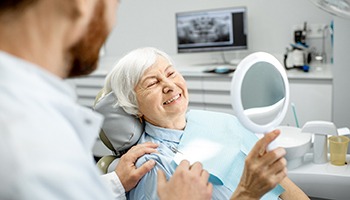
(171, 74)
(152, 84)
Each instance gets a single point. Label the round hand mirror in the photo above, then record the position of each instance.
(260, 93)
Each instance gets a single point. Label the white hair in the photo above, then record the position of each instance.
(126, 74)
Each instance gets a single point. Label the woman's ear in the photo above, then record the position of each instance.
(140, 116)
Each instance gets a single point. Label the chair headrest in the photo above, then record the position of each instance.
(122, 129)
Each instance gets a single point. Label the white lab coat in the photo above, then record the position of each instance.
(46, 138)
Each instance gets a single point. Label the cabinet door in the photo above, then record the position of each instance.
(217, 93)
(312, 99)
(195, 91)
(87, 88)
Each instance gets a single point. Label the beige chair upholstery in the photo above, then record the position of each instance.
(104, 162)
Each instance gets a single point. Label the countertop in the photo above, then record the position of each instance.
(316, 72)
(322, 180)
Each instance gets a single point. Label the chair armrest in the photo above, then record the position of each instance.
(104, 162)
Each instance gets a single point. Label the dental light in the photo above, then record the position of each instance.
(339, 8)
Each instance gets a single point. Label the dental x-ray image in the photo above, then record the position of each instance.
(208, 29)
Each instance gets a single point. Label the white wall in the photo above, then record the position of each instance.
(152, 23)
(341, 73)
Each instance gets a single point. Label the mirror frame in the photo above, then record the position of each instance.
(236, 85)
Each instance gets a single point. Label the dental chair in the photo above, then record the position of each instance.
(119, 132)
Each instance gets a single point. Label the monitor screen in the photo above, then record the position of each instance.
(211, 30)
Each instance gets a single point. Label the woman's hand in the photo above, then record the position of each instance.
(126, 170)
(263, 170)
(188, 182)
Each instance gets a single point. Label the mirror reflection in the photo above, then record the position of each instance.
(262, 93)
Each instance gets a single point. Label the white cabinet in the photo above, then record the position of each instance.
(87, 87)
(312, 100)
(312, 95)
(310, 92)
(209, 92)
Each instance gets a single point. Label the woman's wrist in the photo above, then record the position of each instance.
(241, 193)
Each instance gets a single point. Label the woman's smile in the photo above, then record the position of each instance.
(176, 97)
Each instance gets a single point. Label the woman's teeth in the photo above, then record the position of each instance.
(172, 99)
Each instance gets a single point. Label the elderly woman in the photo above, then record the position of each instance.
(148, 86)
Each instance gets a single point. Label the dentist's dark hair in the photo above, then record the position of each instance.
(15, 5)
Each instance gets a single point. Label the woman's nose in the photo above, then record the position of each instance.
(168, 86)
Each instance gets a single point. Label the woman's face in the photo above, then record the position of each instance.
(162, 95)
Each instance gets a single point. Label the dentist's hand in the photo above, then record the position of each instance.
(126, 170)
(263, 170)
(187, 182)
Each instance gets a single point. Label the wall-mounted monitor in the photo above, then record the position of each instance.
(212, 30)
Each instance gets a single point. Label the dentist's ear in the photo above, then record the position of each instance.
(79, 14)
(85, 8)
(76, 9)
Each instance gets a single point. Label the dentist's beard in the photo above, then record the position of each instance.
(85, 53)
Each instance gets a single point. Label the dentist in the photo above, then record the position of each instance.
(45, 136)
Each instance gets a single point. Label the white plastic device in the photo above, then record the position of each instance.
(321, 129)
